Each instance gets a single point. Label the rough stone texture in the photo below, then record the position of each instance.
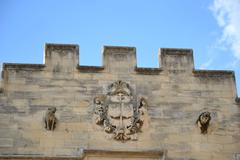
(176, 94)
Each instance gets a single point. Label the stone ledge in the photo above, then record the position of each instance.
(176, 51)
(213, 73)
(90, 68)
(22, 66)
(120, 49)
(139, 70)
(60, 46)
(148, 71)
(127, 154)
(94, 153)
(36, 157)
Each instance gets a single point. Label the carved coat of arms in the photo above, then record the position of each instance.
(118, 112)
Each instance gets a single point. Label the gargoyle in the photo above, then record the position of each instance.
(203, 121)
(50, 119)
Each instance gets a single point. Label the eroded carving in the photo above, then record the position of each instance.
(203, 121)
(118, 113)
(100, 109)
(50, 119)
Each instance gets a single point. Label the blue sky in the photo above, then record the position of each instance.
(210, 27)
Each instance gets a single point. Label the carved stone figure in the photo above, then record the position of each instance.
(203, 121)
(118, 113)
(50, 119)
(141, 111)
(100, 110)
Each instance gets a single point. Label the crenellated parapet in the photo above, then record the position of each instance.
(64, 59)
(116, 59)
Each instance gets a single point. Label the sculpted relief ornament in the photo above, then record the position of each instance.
(118, 113)
(50, 119)
(203, 122)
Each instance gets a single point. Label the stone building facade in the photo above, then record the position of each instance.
(62, 110)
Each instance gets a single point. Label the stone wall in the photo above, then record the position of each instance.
(176, 95)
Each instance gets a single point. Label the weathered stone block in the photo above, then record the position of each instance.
(176, 60)
(119, 59)
(61, 58)
(6, 142)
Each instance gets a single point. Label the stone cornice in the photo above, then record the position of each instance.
(52, 46)
(213, 73)
(150, 71)
(90, 68)
(22, 66)
(176, 51)
(93, 153)
(127, 154)
(119, 49)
